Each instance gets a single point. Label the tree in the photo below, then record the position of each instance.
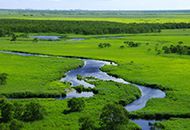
(7, 112)
(3, 78)
(33, 111)
(113, 117)
(86, 123)
(15, 125)
(76, 104)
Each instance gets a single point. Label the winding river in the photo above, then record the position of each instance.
(91, 68)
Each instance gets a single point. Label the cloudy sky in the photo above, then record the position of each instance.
(96, 4)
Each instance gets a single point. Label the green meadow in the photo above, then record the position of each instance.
(111, 16)
(35, 74)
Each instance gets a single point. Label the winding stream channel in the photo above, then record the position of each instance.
(91, 68)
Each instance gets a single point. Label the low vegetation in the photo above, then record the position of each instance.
(3, 78)
(177, 49)
(104, 45)
(131, 44)
(76, 105)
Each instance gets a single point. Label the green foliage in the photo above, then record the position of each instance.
(7, 111)
(113, 117)
(79, 77)
(104, 45)
(19, 111)
(14, 37)
(84, 89)
(2, 33)
(122, 47)
(4, 126)
(178, 49)
(27, 94)
(35, 40)
(76, 104)
(3, 78)
(33, 111)
(131, 44)
(86, 123)
(29, 112)
(15, 125)
(81, 27)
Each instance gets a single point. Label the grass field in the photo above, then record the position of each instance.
(120, 20)
(113, 16)
(140, 65)
(34, 74)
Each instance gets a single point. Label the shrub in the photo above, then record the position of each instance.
(121, 47)
(4, 126)
(131, 44)
(14, 37)
(104, 45)
(80, 89)
(86, 123)
(15, 125)
(7, 112)
(113, 117)
(35, 40)
(76, 104)
(19, 111)
(79, 77)
(3, 78)
(178, 49)
(33, 111)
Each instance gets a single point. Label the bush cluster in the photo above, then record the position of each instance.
(131, 44)
(83, 89)
(3, 78)
(104, 45)
(178, 49)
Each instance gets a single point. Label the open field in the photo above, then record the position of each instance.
(34, 74)
(111, 16)
(119, 20)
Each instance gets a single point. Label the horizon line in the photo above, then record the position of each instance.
(93, 9)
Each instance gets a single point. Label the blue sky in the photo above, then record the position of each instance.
(96, 4)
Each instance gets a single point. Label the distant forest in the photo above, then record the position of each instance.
(83, 27)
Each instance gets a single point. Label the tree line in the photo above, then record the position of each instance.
(76, 27)
(82, 27)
